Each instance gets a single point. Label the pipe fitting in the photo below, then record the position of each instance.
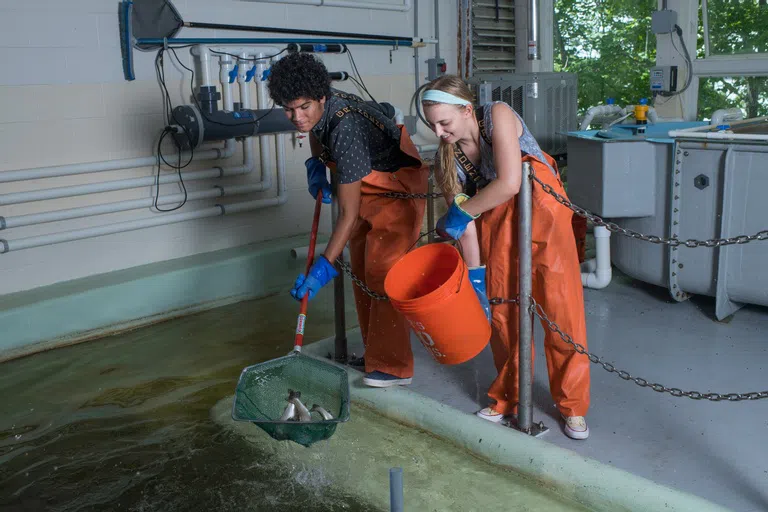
(5, 246)
(597, 273)
(2, 223)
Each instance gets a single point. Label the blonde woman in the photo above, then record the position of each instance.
(479, 170)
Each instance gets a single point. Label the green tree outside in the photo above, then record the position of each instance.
(610, 46)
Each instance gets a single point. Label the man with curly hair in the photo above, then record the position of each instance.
(369, 155)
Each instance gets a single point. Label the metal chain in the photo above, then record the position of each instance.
(359, 282)
(402, 195)
(537, 310)
(672, 242)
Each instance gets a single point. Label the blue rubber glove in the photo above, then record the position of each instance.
(317, 179)
(319, 275)
(454, 222)
(477, 278)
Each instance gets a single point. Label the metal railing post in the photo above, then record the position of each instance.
(430, 209)
(340, 321)
(525, 345)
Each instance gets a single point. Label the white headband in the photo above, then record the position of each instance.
(443, 97)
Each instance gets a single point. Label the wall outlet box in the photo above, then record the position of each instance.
(663, 22)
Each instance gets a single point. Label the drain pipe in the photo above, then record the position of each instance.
(597, 273)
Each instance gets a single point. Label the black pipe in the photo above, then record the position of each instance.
(276, 30)
(316, 48)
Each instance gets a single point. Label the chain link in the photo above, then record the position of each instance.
(537, 310)
(402, 195)
(359, 282)
(672, 242)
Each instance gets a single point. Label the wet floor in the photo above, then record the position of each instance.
(126, 423)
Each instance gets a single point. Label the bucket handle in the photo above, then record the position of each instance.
(460, 249)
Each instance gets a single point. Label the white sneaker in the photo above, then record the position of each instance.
(490, 414)
(576, 427)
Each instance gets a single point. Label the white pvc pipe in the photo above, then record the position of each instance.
(110, 165)
(225, 66)
(598, 110)
(205, 64)
(726, 114)
(718, 136)
(121, 206)
(110, 186)
(375, 6)
(158, 220)
(263, 99)
(597, 273)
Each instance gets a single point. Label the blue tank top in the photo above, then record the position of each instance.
(528, 145)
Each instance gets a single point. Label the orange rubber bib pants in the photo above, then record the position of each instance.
(556, 287)
(386, 230)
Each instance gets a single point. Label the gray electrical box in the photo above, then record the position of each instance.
(664, 78)
(435, 68)
(663, 22)
(546, 101)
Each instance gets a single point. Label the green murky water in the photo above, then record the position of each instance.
(131, 422)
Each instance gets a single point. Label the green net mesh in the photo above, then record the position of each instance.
(262, 392)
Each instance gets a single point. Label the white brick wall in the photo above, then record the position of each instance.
(63, 100)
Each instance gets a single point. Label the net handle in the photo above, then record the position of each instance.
(298, 341)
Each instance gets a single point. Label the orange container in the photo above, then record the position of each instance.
(430, 287)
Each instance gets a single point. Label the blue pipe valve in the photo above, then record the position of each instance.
(233, 74)
(249, 74)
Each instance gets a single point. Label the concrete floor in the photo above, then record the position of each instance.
(715, 450)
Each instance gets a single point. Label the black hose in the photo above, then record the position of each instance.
(276, 30)
(415, 102)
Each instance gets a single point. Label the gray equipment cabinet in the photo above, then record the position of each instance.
(685, 186)
(546, 102)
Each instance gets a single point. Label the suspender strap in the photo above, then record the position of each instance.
(476, 180)
(325, 156)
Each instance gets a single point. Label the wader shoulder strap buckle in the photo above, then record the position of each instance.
(325, 156)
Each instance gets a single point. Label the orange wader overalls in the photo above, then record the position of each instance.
(386, 229)
(556, 287)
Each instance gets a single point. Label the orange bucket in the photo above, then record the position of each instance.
(430, 287)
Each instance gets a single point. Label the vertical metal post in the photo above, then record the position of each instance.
(525, 406)
(430, 208)
(525, 370)
(340, 321)
(396, 501)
